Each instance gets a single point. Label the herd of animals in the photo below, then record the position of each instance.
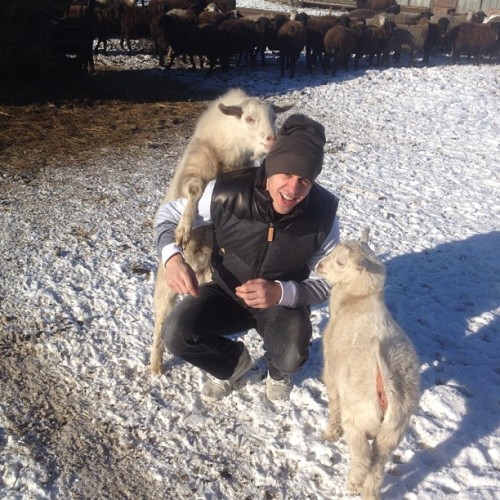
(215, 33)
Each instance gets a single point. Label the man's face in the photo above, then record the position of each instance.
(287, 191)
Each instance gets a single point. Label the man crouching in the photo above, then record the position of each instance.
(271, 225)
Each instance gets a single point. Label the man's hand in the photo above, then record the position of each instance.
(180, 276)
(259, 293)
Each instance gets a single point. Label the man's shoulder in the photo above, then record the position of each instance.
(234, 189)
(235, 175)
(323, 195)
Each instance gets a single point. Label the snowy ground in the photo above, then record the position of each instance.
(411, 152)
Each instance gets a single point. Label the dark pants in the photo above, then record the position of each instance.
(197, 327)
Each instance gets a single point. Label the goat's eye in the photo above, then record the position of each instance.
(249, 119)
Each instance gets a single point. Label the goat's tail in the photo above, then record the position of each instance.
(397, 381)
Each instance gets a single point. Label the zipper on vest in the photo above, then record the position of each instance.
(270, 238)
(270, 232)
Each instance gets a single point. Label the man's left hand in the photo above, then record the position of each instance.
(259, 293)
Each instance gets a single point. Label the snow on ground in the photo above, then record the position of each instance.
(412, 153)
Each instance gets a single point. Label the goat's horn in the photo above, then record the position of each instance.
(365, 235)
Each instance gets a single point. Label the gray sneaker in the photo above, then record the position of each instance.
(278, 390)
(215, 389)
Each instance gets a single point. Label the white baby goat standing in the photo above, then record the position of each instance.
(234, 132)
(371, 369)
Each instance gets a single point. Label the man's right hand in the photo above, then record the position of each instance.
(180, 276)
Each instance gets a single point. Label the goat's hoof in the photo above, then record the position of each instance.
(156, 370)
(333, 430)
(332, 434)
(156, 366)
(353, 487)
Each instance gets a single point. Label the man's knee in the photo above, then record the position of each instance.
(288, 347)
(291, 359)
(174, 335)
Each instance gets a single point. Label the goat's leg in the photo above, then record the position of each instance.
(383, 445)
(326, 63)
(333, 429)
(360, 455)
(282, 64)
(164, 300)
(197, 254)
(194, 188)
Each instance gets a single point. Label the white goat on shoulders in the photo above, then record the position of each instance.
(233, 133)
(371, 369)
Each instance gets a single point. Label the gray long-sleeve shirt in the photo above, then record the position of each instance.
(313, 290)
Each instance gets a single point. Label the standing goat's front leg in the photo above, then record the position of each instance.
(333, 431)
(194, 189)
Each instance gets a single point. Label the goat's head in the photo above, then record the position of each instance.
(353, 267)
(256, 123)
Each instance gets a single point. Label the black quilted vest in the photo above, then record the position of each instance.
(250, 241)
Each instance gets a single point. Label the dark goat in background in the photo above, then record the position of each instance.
(75, 36)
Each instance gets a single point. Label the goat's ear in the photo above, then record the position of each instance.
(342, 256)
(231, 110)
(374, 266)
(282, 109)
(365, 235)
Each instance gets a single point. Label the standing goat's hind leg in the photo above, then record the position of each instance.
(383, 445)
(164, 300)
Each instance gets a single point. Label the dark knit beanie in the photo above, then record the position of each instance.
(298, 149)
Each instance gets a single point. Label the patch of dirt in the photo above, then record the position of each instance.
(40, 127)
(55, 420)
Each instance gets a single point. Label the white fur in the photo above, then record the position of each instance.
(493, 18)
(234, 132)
(362, 339)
